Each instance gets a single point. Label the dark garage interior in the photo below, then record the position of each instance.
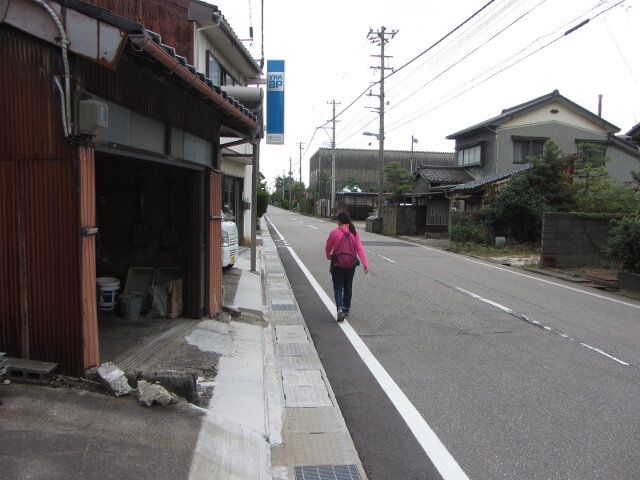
(147, 219)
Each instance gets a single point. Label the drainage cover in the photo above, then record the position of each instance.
(284, 306)
(328, 472)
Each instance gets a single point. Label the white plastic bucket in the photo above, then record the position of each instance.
(107, 289)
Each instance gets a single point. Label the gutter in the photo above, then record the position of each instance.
(146, 44)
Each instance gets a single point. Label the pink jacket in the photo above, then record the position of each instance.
(334, 239)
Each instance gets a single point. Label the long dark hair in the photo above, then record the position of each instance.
(345, 219)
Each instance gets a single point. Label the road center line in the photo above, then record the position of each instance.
(383, 258)
(513, 272)
(537, 324)
(426, 437)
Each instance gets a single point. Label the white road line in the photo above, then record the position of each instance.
(428, 440)
(601, 352)
(513, 272)
(537, 324)
(384, 258)
(315, 228)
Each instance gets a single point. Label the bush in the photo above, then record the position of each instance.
(516, 211)
(624, 243)
(263, 202)
(464, 229)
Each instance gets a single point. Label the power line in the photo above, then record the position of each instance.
(352, 103)
(466, 56)
(441, 40)
(566, 33)
(409, 62)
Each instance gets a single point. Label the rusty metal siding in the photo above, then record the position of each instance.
(168, 18)
(31, 112)
(215, 243)
(40, 315)
(10, 257)
(39, 284)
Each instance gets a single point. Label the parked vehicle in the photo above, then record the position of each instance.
(229, 243)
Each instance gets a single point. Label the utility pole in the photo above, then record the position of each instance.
(290, 185)
(381, 38)
(300, 145)
(333, 156)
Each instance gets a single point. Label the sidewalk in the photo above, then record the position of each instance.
(308, 435)
(272, 412)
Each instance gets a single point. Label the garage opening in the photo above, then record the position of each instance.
(151, 229)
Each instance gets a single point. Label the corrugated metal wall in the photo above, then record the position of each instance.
(166, 17)
(39, 284)
(215, 243)
(11, 255)
(30, 102)
(40, 314)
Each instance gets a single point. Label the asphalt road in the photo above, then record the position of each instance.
(518, 375)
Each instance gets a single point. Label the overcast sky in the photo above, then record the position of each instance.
(487, 65)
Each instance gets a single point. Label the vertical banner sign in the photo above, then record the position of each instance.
(275, 102)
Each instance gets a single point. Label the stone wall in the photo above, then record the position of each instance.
(569, 240)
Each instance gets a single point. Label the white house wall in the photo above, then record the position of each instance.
(232, 168)
(564, 115)
(202, 44)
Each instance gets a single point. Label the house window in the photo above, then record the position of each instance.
(469, 155)
(217, 74)
(214, 70)
(523, 148)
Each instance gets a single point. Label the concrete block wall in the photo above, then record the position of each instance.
(569, 240)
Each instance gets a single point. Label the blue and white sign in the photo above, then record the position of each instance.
(275, 102)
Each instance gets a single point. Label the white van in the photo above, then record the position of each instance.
(229, 243)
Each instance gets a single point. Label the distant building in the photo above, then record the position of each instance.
(362, 165)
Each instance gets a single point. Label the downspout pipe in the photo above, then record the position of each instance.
(146, 44)
(66, 95)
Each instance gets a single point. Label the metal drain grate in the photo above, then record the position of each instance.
(283, 306)
(328, 472)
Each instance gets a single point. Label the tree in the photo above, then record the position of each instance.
(596, 191)
(516, 209)
(400, 180)
(590, 167)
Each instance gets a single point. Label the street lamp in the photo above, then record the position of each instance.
(377, 135)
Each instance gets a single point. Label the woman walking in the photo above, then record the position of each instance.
(344, 249)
